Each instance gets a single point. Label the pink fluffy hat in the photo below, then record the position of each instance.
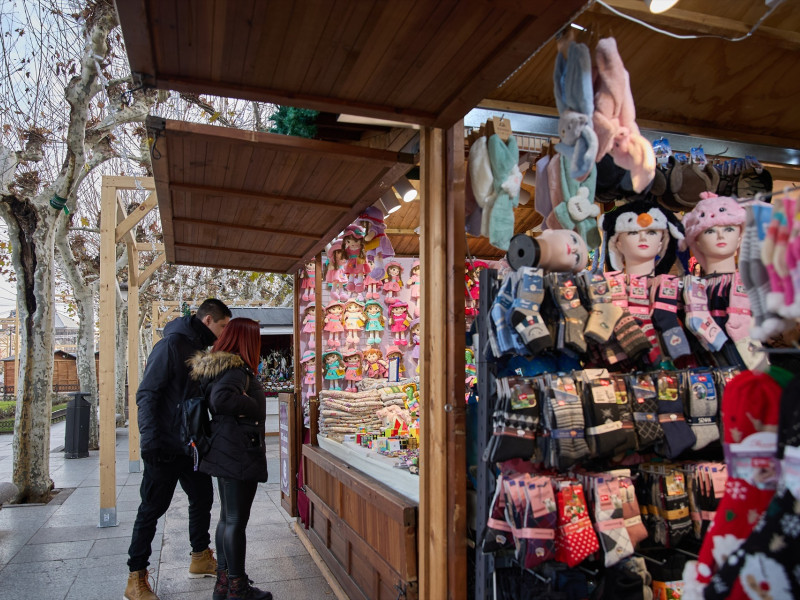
(712, 210)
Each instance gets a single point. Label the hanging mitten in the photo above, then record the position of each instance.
(506, 181)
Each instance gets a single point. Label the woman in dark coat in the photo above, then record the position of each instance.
(237, 457)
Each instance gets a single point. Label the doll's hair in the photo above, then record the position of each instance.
(370, 351)
(388, 277)
(305, 271)
(398, 305)
(360, 241)
(353, 303)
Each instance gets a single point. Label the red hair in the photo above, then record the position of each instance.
(243, 337)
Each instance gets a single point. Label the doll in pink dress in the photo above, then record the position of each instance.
(333, 323)
(414, 283)
(309, 325)
(374, 365)
(399, 321)
(356, 267)
(371, 285)
(352, 369)
(307, 285)
(353, 321)
(335, 275)
(309, 373)
(392, 282)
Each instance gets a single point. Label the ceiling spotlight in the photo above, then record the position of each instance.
(660, 6)
(380, 206)
(406, 191)
(390, 202)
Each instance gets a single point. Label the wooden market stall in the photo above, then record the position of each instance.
(425, 64)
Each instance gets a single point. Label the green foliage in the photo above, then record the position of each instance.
(300, 122)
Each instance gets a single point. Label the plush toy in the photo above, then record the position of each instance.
(572, 79)
(309, 325)
(375, 322)
(414, 283)
(395, 352)
(307, 285)
(615, 118)
(333, 323)
(352, 372)
(472, 291)
(392, 282)
(375, 367)
(334, 369)
(398, 316)
(356, 267)
(353, 321)
(377, 245)
(371, 283)
(309, 372)
(335, 275)
(578, 211)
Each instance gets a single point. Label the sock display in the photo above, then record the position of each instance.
(525, 316)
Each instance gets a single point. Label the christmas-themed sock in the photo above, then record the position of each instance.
(664, 295)
(702, 408)
(609, 522)
(525, 317)
(630, 511)
(575, 536)
(678, 436)
(605, 313)
(642, 397)
(639, 307)
(698, 318)
(569, 302)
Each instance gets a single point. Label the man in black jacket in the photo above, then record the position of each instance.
(166, 461)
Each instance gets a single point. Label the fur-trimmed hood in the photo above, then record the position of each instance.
(208, 365)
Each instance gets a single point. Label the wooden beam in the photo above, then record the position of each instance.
(137, 215)
(261, 196)
(145, 247)
(121, 214)
(145, 275)
(124, 182)
(236, 250)
(236, 226)
(134, 466)
(237, 266)
(107, 325)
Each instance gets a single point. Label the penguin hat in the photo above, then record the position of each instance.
(641, 215)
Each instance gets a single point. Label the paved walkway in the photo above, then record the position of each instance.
(57, 552)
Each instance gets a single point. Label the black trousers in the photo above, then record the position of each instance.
(158, 486)
(236, 499)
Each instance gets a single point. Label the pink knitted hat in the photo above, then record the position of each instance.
(710, 211)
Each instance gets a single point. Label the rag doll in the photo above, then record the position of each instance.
(414, 328)
(414, 283)
(333, 323)
(398, 315)
(395, 352)
(353, 321)
(375, 322)
(473, 289)
(392, 282)
(309, 372)
(374, 365)
(377, 245)
(307, 285)
(352, 371)
(309, 325)
(356, 267)
(371, 284)
(334, 368)
(335, 275)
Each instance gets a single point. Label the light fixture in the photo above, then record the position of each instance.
(404, 188)
(390, 201)
(380, 206)
(660, 6)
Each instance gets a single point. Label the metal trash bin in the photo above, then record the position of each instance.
(76, 437)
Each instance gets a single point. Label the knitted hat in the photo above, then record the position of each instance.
(308, 355)
(710, 211)
(641, 215)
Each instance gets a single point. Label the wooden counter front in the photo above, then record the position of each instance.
(365, 532)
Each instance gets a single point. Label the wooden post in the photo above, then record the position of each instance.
(108, 335)
(134, 466)
(320, 367)
(442, 506)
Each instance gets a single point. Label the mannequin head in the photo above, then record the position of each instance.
(713, 232)
(562, 250)
(641, 238)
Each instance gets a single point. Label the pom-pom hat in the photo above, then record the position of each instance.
(711, 211)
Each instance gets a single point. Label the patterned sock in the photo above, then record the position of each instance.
(781, 258)
(768, 247)
(541, 518)
(567, 418)
(630, 337)
(525, 316)
(698, 319)
(639, 307)
(625, 414)
(702, 408)
(746, 257)
(630, 511)
(664, 295)
(675, 501)
(718, 292)
(604, 431)
(498, 532)
(609, 522)
(569, 302)
(678, 435)
(605, 314)
(516, 436)
(575, 537)
(759, 273)
(502, 340)
(642, 398)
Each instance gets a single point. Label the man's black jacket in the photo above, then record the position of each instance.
(164, 382)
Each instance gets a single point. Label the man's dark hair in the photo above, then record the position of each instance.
(215, 308)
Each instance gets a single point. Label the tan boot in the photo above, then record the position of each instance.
(203, 564)
(138, 587)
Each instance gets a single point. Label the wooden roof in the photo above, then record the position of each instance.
(744, 90)
(259, 201)
(413, 61)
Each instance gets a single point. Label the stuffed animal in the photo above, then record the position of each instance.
(309, 372)
(377, 245)
(398, 316)
(333, 323)
(335, 275)
(375, 367)
(414, 283)
(353, 321)
(352, 372)
(334, 371)
(309, 325)
(392, 282)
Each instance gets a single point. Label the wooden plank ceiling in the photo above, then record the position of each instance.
(744, 90)
(259, 201)
(414, 61)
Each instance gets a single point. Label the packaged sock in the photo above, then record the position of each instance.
(664, 296)
(642, 398)
(702, 408)
(540, 522)
(609, 523)
(698, 318)
(567, 435)
(678, 436)
(748, 253)
(605, 432)
(525, 316)
(498, 535)
(501, 341)
(630, 511)
(639, 308)
(575, 316)
(632, 340)
(604, 313)
(575, 536)
(516, 436)
(675, 507)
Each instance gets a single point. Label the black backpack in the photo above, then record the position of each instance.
(196, 422)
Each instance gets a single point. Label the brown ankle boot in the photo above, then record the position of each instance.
(240, 588)
(221, 586)
(138, 587)
(203, 564)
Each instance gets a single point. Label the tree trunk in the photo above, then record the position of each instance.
(84, 301)
(31, 231)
